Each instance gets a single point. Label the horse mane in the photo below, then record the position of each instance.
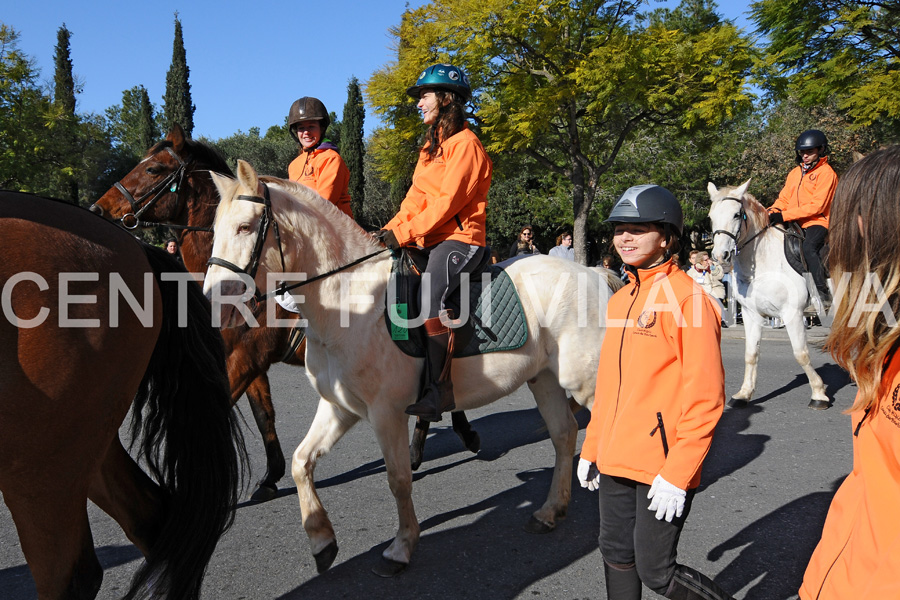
(200, 152)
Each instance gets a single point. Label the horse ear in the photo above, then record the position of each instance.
(742, 189)
(247, 175)
(176, 136)
(712, 189)
(223, 184)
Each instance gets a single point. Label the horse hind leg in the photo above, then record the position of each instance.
(796, 329)
(553, 404)
(329, 425)
(56, 540)
(259, 395)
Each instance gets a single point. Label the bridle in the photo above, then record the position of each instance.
(266, 220)
(743, 217)
(169, 185)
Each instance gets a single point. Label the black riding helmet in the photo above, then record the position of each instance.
(308, 108)
(648, 204)
(811, 138)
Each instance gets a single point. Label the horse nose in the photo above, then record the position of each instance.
(97, 210)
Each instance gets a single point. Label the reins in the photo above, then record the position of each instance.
(253, 265)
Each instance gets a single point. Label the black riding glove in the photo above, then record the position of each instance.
(387, 237)
(776, 218)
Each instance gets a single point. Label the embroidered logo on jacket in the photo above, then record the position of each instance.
(891, 410)
(645, 323)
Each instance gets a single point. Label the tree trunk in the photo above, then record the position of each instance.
(581, 206)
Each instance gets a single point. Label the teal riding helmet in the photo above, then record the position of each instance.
(445, 77)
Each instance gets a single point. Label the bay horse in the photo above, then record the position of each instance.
(92, 326)
(360, 373)
(764, 282)
(172, 186)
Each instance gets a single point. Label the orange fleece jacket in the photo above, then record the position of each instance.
(661, 354)
(325, 171)
(448, 197)
(859, 553)
(806, 198)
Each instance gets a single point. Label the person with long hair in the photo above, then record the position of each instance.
(660, 393)
(524, 244)
(444, 212)
(318, 165)
(858, 555)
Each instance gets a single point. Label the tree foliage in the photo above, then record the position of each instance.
(844, 48)
(132, 124)
(177, 105)
(352, 146)
(567, 84)
(270, 154)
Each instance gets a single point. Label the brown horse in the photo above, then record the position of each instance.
(92, 324)
(172, 186)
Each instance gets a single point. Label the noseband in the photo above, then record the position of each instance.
(172, 182)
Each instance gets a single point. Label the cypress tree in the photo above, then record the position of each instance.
(65, 132)
(177, 107)
(147, 132)
(353, 148)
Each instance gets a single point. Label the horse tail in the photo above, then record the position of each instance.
(191, 439)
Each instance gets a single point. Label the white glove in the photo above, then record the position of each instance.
(667, 500)
(287, 302)
(588, 475)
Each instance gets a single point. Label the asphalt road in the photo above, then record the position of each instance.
(766, 486)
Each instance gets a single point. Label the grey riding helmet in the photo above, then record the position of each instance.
(648, 204)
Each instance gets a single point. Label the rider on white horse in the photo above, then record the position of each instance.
(443, 212)
(806, 199)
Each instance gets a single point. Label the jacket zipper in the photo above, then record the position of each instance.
(458, 222)
(662, 433)
(635, 293)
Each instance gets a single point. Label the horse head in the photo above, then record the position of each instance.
(736, 217)
(159, 189)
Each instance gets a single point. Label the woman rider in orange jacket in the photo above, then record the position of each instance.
(444, 213)
(318, 164)
(859, 553)
(660, 393)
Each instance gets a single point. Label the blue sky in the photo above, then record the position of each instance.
(249, 60)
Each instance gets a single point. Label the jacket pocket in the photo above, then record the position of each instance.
(662, 433)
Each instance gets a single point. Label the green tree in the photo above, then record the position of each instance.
(567, 84)
(177, 106)
(846, 48)
(132, 124)
(64, 128)
(269, 154)
(353, 147)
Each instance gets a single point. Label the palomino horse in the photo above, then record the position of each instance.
(764, 282)
(172, 186)
(361, 374)
(91, 322)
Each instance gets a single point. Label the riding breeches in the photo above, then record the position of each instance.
(812, 244)
(630, 534)
(447, 261)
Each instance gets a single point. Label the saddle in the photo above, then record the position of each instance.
(496, 321)
(793, 248)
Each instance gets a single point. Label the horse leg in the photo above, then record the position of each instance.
(553, 404)
(417, 445)
(391, 431)
(465, 433)
(128, 495)
(56, 539)
(329, 425)
(796, 329)
(260, 397)
(753, 334)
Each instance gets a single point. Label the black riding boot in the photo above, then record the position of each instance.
(622, 584)
(689, 584)
(437, 396)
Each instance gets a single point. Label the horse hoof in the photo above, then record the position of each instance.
(473, 442)
(819, 404)
(535, 526)
(325, 558)
(389, 568)
(264, 492)
(737, 403)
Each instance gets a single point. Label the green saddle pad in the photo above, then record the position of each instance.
(496, 322)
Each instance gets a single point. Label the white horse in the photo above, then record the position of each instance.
(764, 282)
(361, 374)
